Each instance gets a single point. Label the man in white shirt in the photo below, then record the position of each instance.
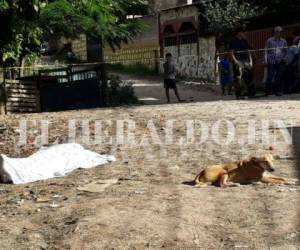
(170, 77)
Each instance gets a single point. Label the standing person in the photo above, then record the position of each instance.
(276, 53)
(242, 64)
(170, 77)
(296, 38)
(296, 87)
(290, 72)
(225, 69)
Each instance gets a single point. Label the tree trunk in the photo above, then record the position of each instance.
(103, 76)
(2, 93)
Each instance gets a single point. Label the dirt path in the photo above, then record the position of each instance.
(151, 91)
(150, 207)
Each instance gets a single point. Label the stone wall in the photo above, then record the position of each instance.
(79, 47)
(207, 58)
(190, 65)
(148, 40)
(194, 54)
(150, 33)
(186, 11)
(163, 4)
(144, 49)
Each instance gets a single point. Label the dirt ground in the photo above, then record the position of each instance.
(151, 91)
(151, 207)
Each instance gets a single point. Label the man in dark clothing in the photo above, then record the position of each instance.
(290, 72)
(242, 64)
(170, 77)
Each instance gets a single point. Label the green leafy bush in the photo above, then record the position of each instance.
(120, 92)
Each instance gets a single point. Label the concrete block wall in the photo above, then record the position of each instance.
(191, 65)
(79, 47)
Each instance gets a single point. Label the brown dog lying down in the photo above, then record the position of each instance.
(244, 172)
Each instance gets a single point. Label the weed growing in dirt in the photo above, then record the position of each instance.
(121, 93)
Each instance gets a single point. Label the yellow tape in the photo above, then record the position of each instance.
(136, 60)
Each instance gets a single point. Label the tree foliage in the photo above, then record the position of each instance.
(225, 15)
(276, 5)
(21, 33)
(30, 22)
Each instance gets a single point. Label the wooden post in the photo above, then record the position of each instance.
(161, 37)
(156, 55)
(3, 96)
(38, 94)
(2, 111)
(69, 74)
(2, 99)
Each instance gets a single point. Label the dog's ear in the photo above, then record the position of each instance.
(257, 163)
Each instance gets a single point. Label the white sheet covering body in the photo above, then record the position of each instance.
(50, 162)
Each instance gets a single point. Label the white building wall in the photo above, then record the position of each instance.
(190, 65)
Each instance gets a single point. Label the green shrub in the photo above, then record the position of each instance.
(120, 92)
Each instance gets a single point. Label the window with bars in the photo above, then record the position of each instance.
(170, 41)
(188, 39)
